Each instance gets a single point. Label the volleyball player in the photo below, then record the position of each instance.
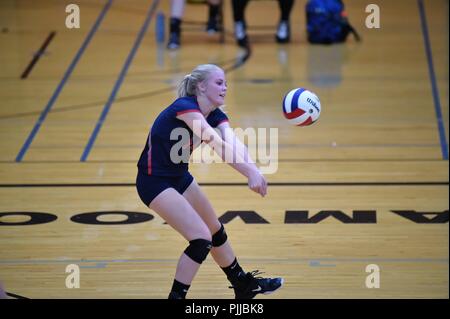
(167, 187)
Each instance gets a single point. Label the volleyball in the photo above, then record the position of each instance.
(301, 107)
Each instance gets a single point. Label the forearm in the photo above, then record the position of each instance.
(244, 168)
(236, 160)
(243, 151)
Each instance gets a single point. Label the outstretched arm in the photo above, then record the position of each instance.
(256, 180)
(231, 138)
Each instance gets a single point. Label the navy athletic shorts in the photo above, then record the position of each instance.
(150, 186)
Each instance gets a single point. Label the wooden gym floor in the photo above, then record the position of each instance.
(378, 152)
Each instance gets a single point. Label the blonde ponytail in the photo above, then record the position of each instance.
(183, 87)
(188, 86)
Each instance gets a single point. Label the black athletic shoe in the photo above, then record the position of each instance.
(175, 295)
(252, 286)
(212, 26)
(174, 41)
(283, 34)
(240, 33)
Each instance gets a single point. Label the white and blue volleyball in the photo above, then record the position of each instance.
(301, 107)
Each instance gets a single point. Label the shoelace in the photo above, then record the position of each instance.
(253, 273)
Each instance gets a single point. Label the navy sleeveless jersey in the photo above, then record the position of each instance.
(155, 158)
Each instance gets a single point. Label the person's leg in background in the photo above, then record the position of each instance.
(239, 22)
(283, 34)
(212, 26)
(176, 18)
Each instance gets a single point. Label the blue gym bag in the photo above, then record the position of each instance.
(327, 22)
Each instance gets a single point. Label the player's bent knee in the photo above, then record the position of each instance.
(198, 250)
(220, 237)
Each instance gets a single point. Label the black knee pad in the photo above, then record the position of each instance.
(220, 237)
(198, 249)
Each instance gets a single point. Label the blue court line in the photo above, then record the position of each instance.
(316, 263)
(437, 103)
(55, 95)
(97, 266)
(119, 81)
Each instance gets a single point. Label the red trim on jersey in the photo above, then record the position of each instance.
(149, 157)
(223, 121)
(294, 114)
(188, 111)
